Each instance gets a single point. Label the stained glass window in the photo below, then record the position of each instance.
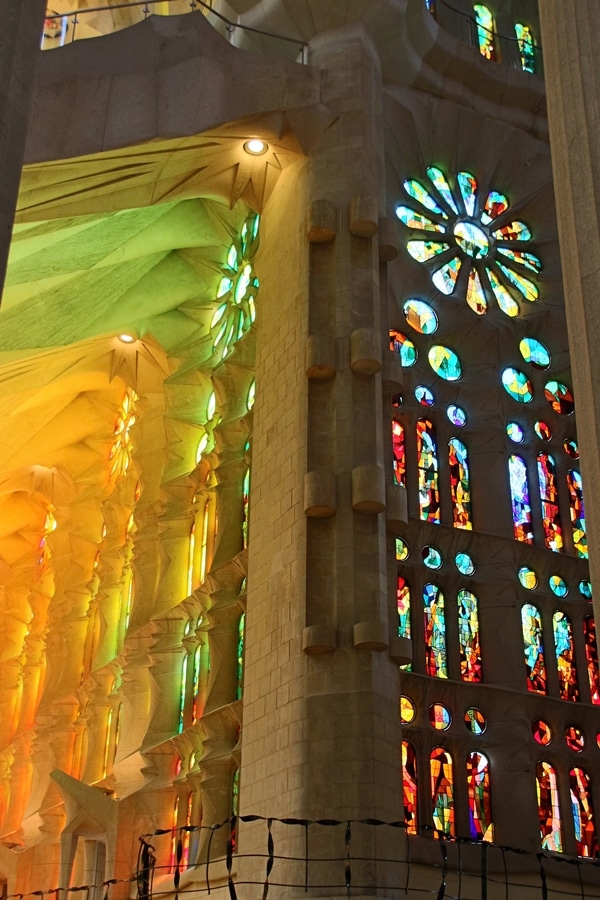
(542, 733)
(583, 814)
(419, 314)
(405, 349)
(444, 362)
(571, 448)
(240, 656)
(121, 450)
(515, 432)
(575, 486)
(533, 351)
(457, 415)
(442, 792)
(403, 601)
(517, 385)
(436, 663)
(174, 835)
(548, 808)
(201, 670)
(559, 397)
(565, 657)
(526, 47)
(460, 488)
(409, 783)
(439, 717)
(585, 589)
(485, 31)
(429, 497)
(528, 578)
(424, 396)
(245, 504)
(183, 692)
(558, 586)
(402, 549)
(574, 738)
(399, 451)
(235, 806)
(480, 806)
(543, 431)
(591, 655)
(464, 563)
(432, 558)
(107, 743)
(533, 643)
(407, 710)
(553, 537)
(475, 721)
(521, 506)
(468, 637)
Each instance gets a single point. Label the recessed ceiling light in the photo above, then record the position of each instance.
(255, 147)
(127, 338)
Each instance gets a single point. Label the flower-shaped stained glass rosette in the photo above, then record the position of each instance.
(236, 294)
(455, 228)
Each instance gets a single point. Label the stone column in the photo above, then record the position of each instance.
(570, 31)
(20, 37)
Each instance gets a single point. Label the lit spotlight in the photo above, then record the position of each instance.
(256, 147)
(127, 338)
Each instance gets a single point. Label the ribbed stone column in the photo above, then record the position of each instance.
(569, 35)
(19, 47)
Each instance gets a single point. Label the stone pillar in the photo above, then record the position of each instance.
(570, 31)
(20, 37)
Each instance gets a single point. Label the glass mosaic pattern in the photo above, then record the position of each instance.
(548, 808)
(535, 353)
(591, 658)
(464, 563)
(427, 462)
(571, 448)
(526, 47)
(460, 488)
(409, 783)
(577, 513)
(442, 792)
(485, 31)
(585, 589)
(565, 657)
(402, 549)
(468, 637)
(480, 806)
(432, 558)
(475, 721)
(444, 362)
(533, 644)
(424, 396)
(456, 415)
(559, 397)
(404, 347)
(436, 661)
(439, 717)
(517, 385)
(542, 733)
(472, 239)
(553, 536)
(521, 505)
(528, 578)
(407, 710)
(515, 432)
(420, 316)
(543, 431)
(583, 813)
(558, 586)
(574, 738)
(399, 453)
(403, 603)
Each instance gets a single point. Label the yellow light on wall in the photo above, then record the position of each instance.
(256, 147)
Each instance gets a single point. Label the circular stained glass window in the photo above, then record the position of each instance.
(405, 349)
(396, 401)
(424, 395)
(444, 362)
(574, 738)
(559, 397)
(585, 589)
(517, 385)
(472, 239)
(528, 578)
(407, 710)
(558, 586)
(464, 564)
(457, 415)
(542, 732)
(432, 557)
(402, 549)
(420, 316)
(475, 721)
(439, 717)
(571, 448)
(515, 432)
(534, 352)
(543, 431)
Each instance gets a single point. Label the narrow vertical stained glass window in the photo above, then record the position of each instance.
(409, 786)
(459, 485)
(174, 836)
(235, 806)
(485, 31)
(403, 598)
(107, 743)
(548, 807)
(191, 557)
(533, 644)
(521, 506)
(183, 692)
(577, 512)
(436, 663)
(468, 637)
(526, 47)
(399, 452)
(442, 792)
(480, 806)
(553, 536)
(245, 500)
(240, 656)
(185, 835)
(429, 497)
(591, 655)
(583, 813)
(565, 657)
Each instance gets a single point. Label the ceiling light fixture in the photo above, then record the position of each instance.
(256, 147)
(127, 338)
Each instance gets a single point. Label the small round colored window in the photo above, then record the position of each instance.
(515, 432)
(534, 352)
(542, 732)
(543, 431)
(420, 316)
(405, 348)
(472, 239)
(558, 586)
(432, 557)
(444, 362)
(456, 415)
(424, 395)
(464, 564)
(396, 401)
(402, 549)
(571, 448)
(585, 589)
(517, 385)
(475, 721)
(528, 578)
(439, 717)
(574, 738)
(407, 710)
(559, 397)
